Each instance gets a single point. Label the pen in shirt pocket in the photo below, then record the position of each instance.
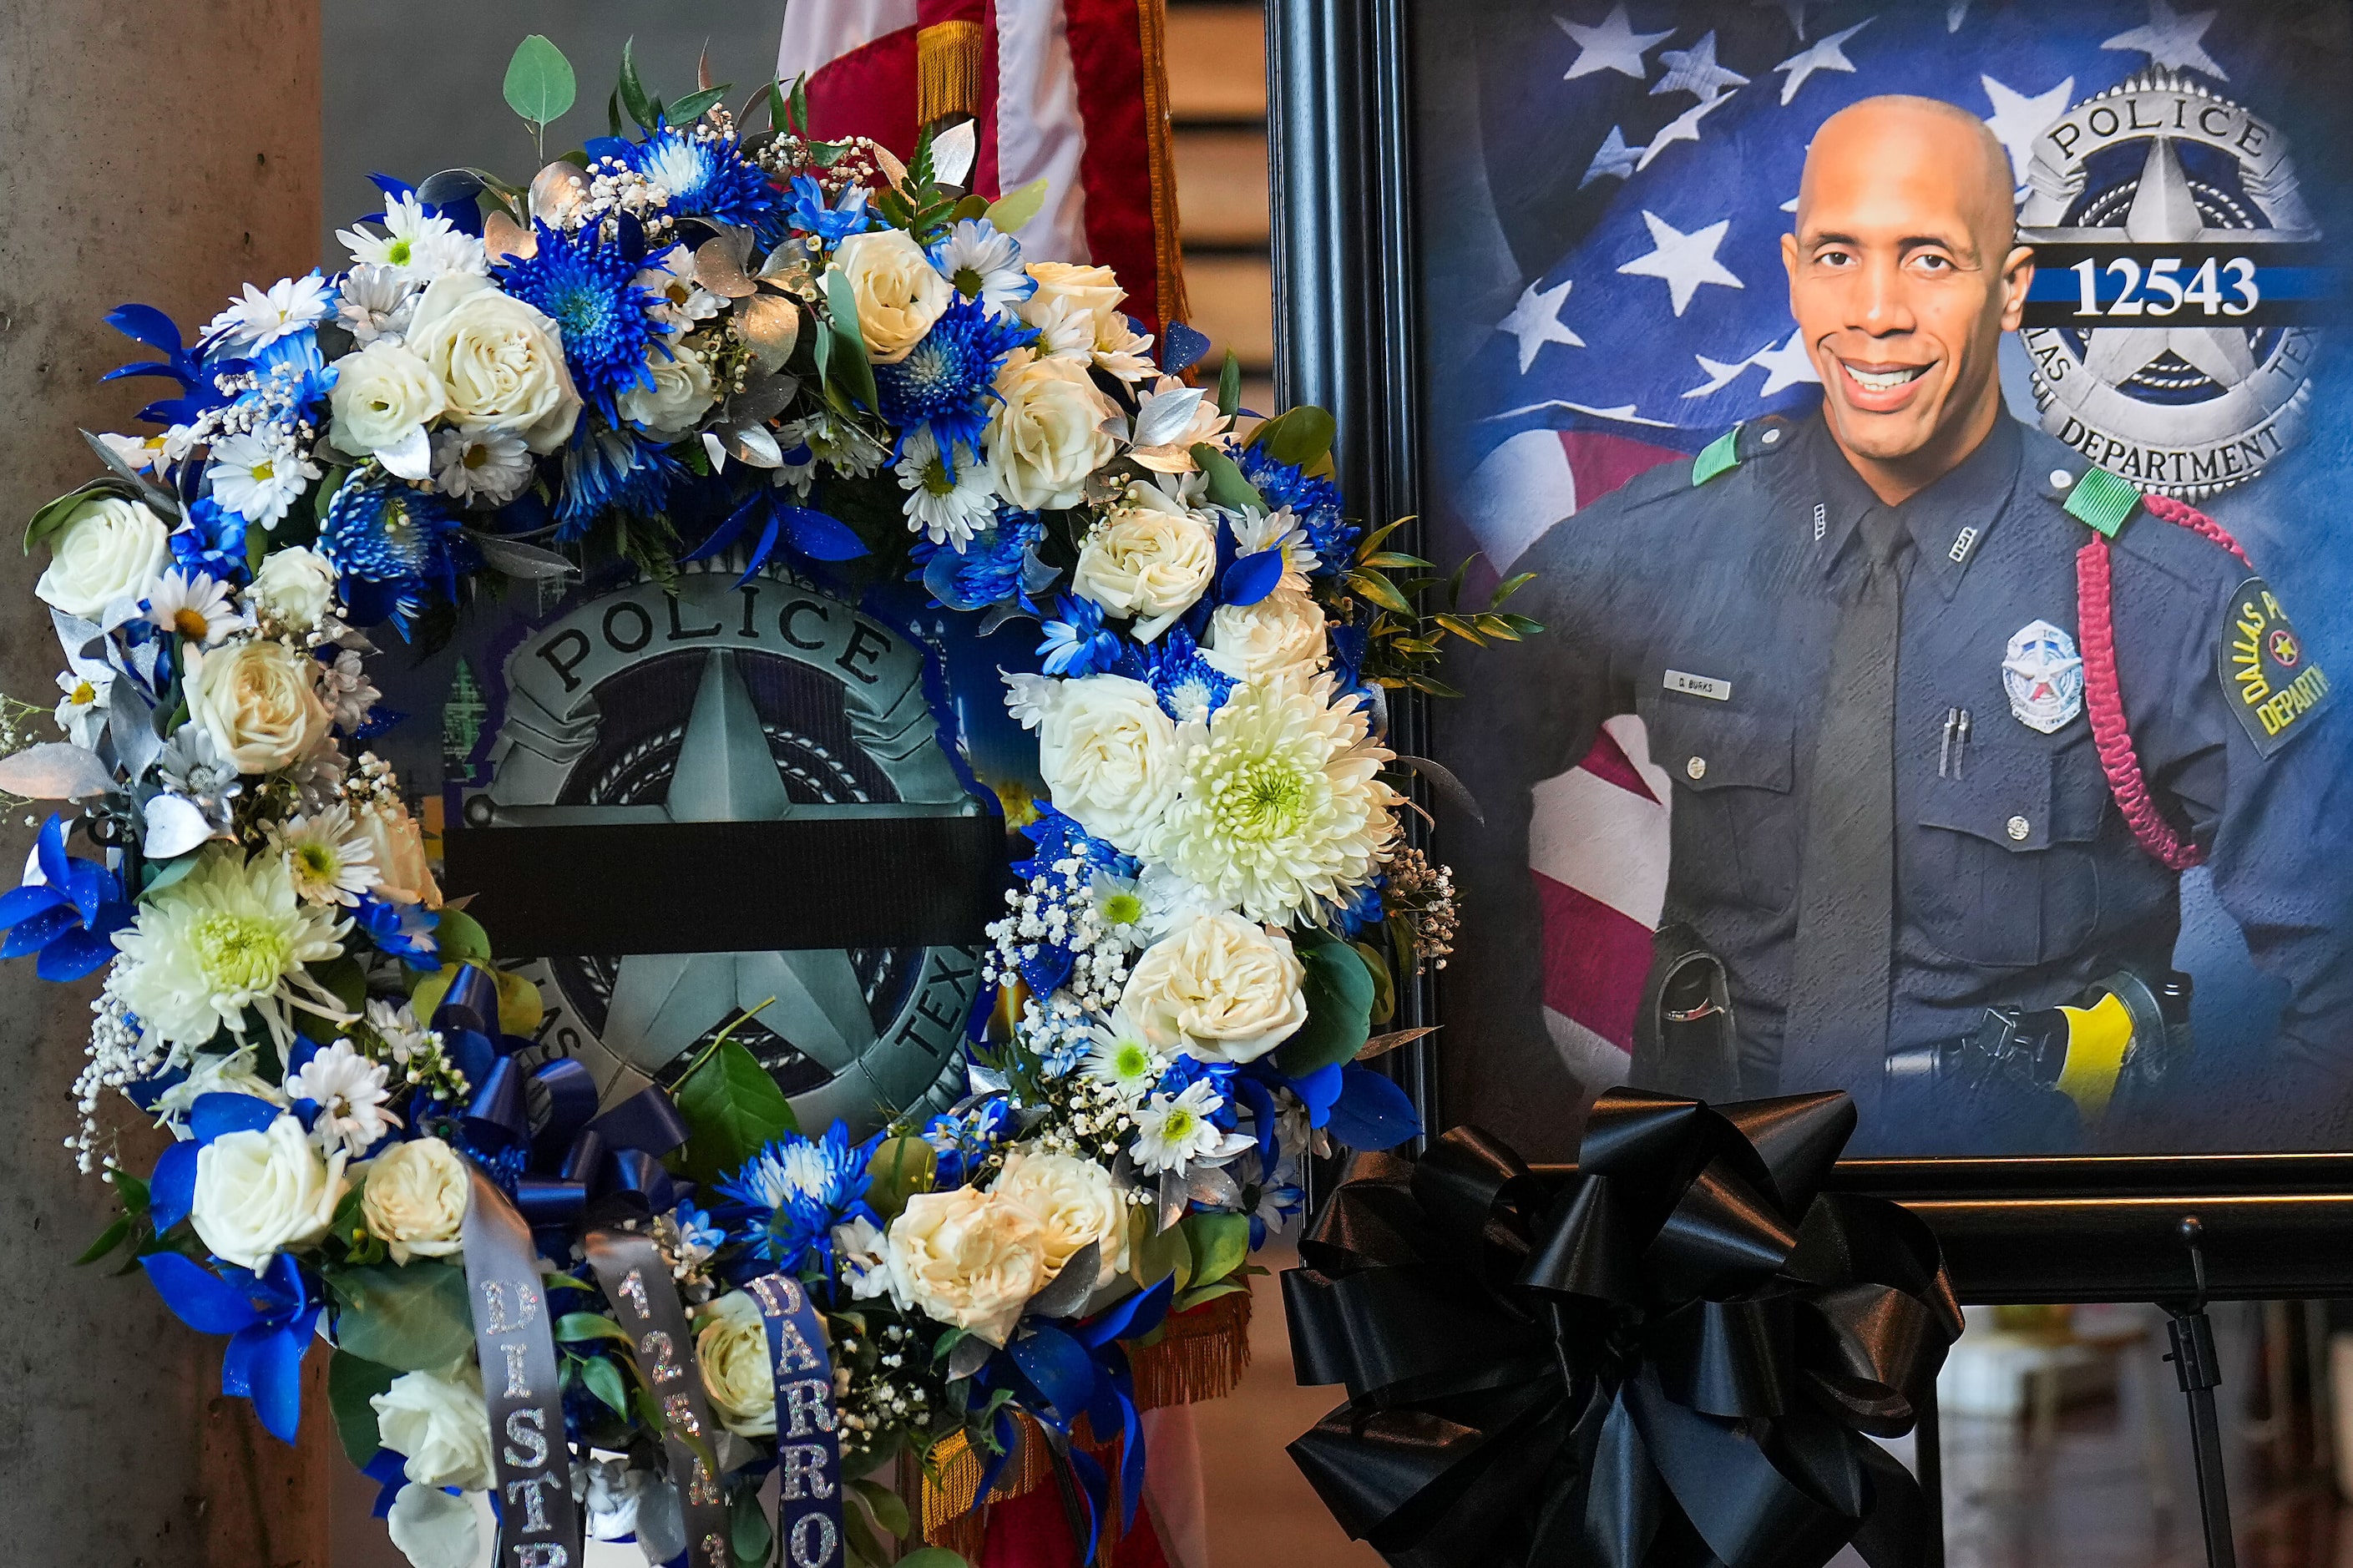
(1954, 753)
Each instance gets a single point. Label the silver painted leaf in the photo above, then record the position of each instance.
(1167, 416)
(764, 397)
(54, 769)
(952, 150)
(528, 561)
(157, 498)
(718, 452)
(770, 325)
(971, 1353)
(412, 457)
(449, 185)
(556, 192)
(888, 162)
(752, 444)
(175, 824)
(718, 267)
(1069, 1289)
(502, 236)
(1211, 1185)
(130, 727)
(1450, 789)
(1381, 1045)
(1174, 1196)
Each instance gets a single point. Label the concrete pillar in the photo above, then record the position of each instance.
(161, 152)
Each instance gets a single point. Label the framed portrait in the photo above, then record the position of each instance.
(1926, 426)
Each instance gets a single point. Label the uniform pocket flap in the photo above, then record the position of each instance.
(2002, 796)
(1714, 747)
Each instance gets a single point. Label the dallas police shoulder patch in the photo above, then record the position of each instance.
(2269, 678)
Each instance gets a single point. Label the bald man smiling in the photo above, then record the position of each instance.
(1869, 658)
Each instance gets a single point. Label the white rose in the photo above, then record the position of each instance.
(415, 1199)
(968, 1258)
(681, 394)
(383, 399)
(258, 1192)
(731, 1345)
(258, 699)
(1218, 988)
(1150, 559)
(899, 292)
(1046, 436)
(403, 875)
(439, 1425)
(1075, 1203)
(1067, 288)
(1282, 634)
(1109, 755)
(109, 548)
(297, 585)
(500, 360)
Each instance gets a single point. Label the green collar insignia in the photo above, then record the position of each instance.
(2099, 500)
(1716, 457)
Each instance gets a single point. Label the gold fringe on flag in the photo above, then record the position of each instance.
(1201, 1355)
(947, 70)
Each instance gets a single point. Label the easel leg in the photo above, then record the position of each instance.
(1928, 1461)
(2197, 1368)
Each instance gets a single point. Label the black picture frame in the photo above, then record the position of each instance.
(2097, 1228)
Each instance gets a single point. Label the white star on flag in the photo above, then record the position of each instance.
(1787, 365)
(1720, 374)
(1682, 261)
(2016, 120)
(1614, 160)
(1826, 56)
(1693, 70)
(2171, 38)
(1535, 322)
(1683, 127)
(1614, 46)
(1956, 13)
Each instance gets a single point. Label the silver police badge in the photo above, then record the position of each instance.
(2167, 340)
(2043, 677)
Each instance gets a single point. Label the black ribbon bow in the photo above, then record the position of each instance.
(1670, 1357)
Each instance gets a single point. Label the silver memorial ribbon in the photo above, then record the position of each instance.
(539, 1523)
(645, 1301)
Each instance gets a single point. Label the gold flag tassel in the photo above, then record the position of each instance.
(1201, 1356)
(947, 71)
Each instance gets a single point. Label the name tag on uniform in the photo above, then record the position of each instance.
(1699, 686)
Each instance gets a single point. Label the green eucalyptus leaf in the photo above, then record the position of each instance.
(540, 85)
(690, 108)
(852, 372)
(889, 1509)
(604, 1381)
(747, 1522)
(1340, 992)
(352, 1381)
(1384, 986)
(411, 1319)
(733, 1109)
(1230, 386)
(460, 938)
(1016, 207)
(632, 91)
(108, 1240)
(932, 1557)
(1201, 1295)
(1219, 1245)
(1227, 485)
(1157, 1255)
(53, 516)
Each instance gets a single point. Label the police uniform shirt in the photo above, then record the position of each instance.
(1709, 610)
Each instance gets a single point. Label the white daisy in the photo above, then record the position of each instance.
(397, 1027)
(1172, 1131)
(198, 608)
(1117, 904)
(947, 507)
(259, 477)
(141, 452)
(421, 247)
(376, 301)
(259, 319)
(349, 1091)
(1255, 530)
(679, 301)
(484, 467)
(864, 1254)
(1123, 1058)
(82, 711)
(330, 858)
(983, 265)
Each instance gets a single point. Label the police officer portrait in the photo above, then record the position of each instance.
(1921, 425)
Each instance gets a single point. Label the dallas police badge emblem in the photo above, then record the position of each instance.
(722, 702)
(2043, 677)
(2168, 319)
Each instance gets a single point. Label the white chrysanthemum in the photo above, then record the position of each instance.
(947, 507)
(196, 607)
(1281, 809)
(1278, 530)
(487, 467)
(1174, 1131)
(330, 861)
(1123, 1057)
(375, 302)
(231, 934)
(258, 319)
(350, 1092)
(985, 265)
(418, 246)
(259, 477)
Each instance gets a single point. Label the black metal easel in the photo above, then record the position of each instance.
(2195, 1366)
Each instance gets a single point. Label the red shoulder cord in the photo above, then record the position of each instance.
(2104, 700)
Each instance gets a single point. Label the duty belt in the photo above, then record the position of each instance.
(2121, 1034)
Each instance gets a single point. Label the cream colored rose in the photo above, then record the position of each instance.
(1046, 436)
(260, 1191)
(1074, 1203)
(297, 585)
(899, 292)
(384, 398)
(1218, 989)
(1081, 291)
(404, 874)
(1150, 559)
(1109, 754)
(500, 360)
(681, 394)
(1282, 634)
(109, 548)
(439, 1425)
(415, 1199)
(258, 699)
(968, 1258)
(731, 1346)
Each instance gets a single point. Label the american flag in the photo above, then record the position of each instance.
(1640, 165)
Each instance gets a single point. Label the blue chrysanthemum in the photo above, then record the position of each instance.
(947, 381)
(404, 930)
(1362, 910)
(998, 566)
(213, 543)
(587, 289)
(829, 224)
(1315, 502)
(1076, 644)
(1188, 684)
(611, 470)
(389, 543)
(786, 1200)
(707, 177)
